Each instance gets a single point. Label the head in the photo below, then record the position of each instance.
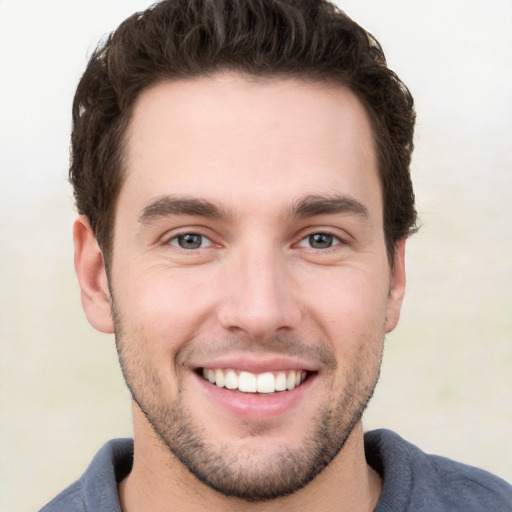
(181, 39)
(243, 167)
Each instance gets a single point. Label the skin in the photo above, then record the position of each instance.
(274, 161)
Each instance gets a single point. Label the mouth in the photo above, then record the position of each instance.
(265, 383)
(254, 389)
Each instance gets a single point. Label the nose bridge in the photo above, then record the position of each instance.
(259, 298)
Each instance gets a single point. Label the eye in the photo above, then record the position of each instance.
(190, 241)
(320, 241)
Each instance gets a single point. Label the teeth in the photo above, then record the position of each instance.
(266, 383)
(290, 381)
(231, 380)
(248, 382)
(281, 381)
(219, 378)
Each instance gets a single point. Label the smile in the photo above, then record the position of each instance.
(247, 382)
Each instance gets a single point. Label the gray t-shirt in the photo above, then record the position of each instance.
(413, 480)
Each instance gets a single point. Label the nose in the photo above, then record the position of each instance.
(259, 295)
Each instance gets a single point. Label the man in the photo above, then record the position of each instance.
(241, 170)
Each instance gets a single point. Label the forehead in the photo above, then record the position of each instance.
(229, 137)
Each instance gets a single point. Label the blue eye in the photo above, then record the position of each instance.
(190, 241)
(319, 241)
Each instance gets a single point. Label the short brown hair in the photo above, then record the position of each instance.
(180, 39)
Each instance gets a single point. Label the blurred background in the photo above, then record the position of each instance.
(447, 377)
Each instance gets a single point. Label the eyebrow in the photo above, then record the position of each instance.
(308, 206)
(180, 205)
(313, 205)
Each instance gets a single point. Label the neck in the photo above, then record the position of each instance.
(158, 481)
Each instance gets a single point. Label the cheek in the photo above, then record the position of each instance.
(351, 309)
(164, 307)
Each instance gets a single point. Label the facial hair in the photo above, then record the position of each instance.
(237, 473)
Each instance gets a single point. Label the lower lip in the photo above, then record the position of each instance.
(255, 406)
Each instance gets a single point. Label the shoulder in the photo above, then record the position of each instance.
(96, 489)
(68, 500)
(414, 480)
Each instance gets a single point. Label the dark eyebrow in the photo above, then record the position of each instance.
(180, 205)
(313, 205)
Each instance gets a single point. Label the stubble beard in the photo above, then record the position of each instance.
(232, 472)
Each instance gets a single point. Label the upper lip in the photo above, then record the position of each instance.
(259, 364)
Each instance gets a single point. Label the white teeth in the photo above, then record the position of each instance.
(231, 380)
(281, 381)
(290, 381)
(248, 382)
(219, 378)
(266, 383)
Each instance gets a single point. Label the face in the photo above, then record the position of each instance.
(250, 285)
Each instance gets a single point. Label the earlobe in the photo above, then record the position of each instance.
(92, 276)
(396, 287)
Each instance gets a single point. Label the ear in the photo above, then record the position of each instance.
(396, 287)
(92, 276)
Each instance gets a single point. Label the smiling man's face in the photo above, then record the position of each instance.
(251, 287)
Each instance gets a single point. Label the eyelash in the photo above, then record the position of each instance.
(175, 240)
(333, 241)
(309, 239)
